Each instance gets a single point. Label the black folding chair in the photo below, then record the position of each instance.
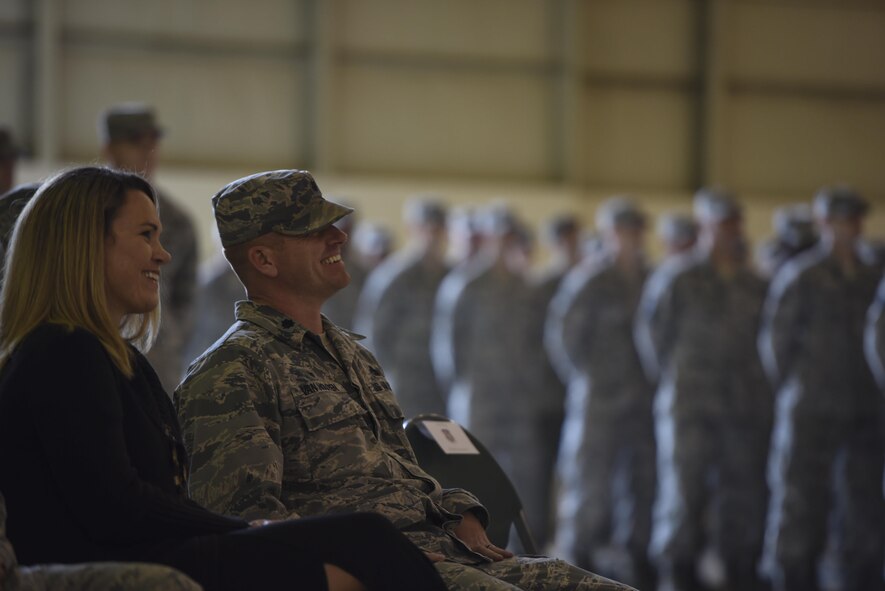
(478, 473)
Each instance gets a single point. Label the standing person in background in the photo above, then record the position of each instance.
(8, 159)
(396, 308)
(874, 341)
(794, 233)
(829, 411)
(341, 307)
(677, 232)
(561, 235)
(480, 347)
(130, 139)
(608, 434)
(696, 333)
(373, 244)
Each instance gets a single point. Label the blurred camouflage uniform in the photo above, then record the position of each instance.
(98, 576)
(11, 205)
(282, 422)
(830, 415)
(608, 433)
(480, 347)
(696, 333)
(217, 291)
(396, 314)
(177, 291)
(875, 336)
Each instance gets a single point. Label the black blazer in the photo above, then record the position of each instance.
(86, 455)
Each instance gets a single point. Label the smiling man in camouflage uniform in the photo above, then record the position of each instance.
(288, 416)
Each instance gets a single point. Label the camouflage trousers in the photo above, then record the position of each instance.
(527, 573)
(99, 576)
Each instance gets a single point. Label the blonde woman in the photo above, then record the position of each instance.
(91, 460)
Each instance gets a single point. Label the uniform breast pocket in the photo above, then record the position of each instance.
(335, 433)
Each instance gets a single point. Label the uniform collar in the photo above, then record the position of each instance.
(289, 330)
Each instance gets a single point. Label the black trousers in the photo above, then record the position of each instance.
(290, 555)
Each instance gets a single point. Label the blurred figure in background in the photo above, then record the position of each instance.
(480, 347)
(395, 310)
(677, 232)
(8, 157)
(341, 307)
(608, 435)
(794, 233)
(829, 410)
(11, 205)
(130, 139)
(561, 235)
(874, 341)
(465, 235)
(696, 333)
(373, 243)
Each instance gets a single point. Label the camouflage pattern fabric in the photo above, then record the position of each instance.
(524, 573)
(284, 201)
(110, 576)
(608, 431)
(481, 324)
(177, 288)
(875, 336)
(277, 427)
(697, 330)
(829, 413)
(396, 314)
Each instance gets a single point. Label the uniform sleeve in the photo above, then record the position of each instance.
(78, 419)
(566, 335)
(656, 321)
(230, 422)
(874, 341)
(442, 341)
(459, 501)
(780, 332)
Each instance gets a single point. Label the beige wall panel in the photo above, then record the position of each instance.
(639, 36)
(262, 20)
(637, 138)
(802, 43)
(412, 120)
(504, 29)
(217, 111)
(794, 146)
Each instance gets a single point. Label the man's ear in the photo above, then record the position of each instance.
(262, 259)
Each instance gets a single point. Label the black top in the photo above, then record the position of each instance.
(89, 459)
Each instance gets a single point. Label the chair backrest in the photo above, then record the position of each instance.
(478, 473)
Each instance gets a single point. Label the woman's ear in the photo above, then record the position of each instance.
(262, 259)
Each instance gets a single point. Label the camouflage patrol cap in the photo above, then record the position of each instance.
(839, 201)
(715, 204)
(619, 211)
(283, 201)
(128, 122)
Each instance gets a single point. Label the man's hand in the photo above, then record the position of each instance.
(435, 556)
(471, 532)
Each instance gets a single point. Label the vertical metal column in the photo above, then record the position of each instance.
(320, 108)
(566, 132)
(713, 152)
(46, 82)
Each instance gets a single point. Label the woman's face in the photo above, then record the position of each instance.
(133, 257)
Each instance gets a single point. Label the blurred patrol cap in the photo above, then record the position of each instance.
(677, 228)
(619, 211)
(425, 210)
(794, 225)
(498, 219)
(716, 204)
(128, 122)
(8, 149)
(839, 201)
(560, 226)
(283, 201)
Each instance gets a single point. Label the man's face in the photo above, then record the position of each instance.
(845, 230)
(310, 267)
(137, 154)
(728, 234)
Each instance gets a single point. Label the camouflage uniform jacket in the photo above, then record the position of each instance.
(396, 314)
(277, 428)
(696, 330)
(875, 336)
(812, 334)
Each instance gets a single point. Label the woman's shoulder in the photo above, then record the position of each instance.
(51, 339)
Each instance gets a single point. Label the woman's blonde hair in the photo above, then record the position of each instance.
(55, 264)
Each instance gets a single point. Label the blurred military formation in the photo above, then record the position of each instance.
(727, 402)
